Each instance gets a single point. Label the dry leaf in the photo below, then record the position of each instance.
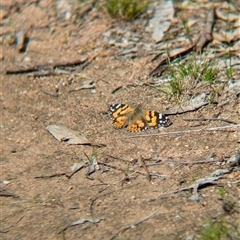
(218, 37)
(225, 36)
(93, 167)
(227, 15)
(162, 19)
(236, 24)
(229, 36)
(62, 133)
(194, 103)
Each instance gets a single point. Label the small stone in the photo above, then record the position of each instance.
(26, 59)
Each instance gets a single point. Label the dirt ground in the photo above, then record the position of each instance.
(134, 193)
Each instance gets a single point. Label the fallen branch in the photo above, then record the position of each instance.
(46, 68)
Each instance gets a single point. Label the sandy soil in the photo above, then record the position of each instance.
(38, 200)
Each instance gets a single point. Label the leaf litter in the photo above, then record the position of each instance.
(161, 20)
(94, 165)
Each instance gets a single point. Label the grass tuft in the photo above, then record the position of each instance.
(185, 76)
(126, 9)
(222, 192)
(218, 230)
(209, 74)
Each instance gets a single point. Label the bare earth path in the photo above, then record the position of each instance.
(132, 194)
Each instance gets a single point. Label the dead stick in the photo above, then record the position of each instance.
(51, 176)
(145, 168)
(46, 67)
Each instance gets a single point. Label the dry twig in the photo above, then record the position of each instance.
(45, 69)
(186, 131)
(209, 119)
(148, 175)
(69, 175)
(51, 176)
(52, 94)
(4, 193)
(203, 181)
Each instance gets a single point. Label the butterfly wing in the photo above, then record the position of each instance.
(157, 120)
(120, 114)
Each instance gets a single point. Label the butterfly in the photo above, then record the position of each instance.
(136, 119)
